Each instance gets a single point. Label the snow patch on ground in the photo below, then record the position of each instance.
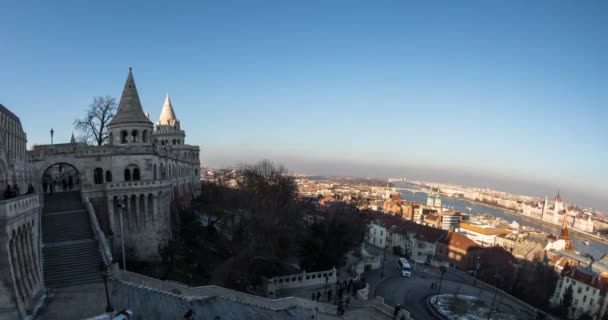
(461, 307)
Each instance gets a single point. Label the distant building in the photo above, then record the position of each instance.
(21, 279)
(589, 291)
(483, 235)
(450, 220)
(456, 250)
(433, 199)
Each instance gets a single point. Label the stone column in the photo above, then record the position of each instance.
(146, 214)
(110, 204)
(29, 258)
(34, 257)
(25, 268)
(154, 209)
(137, 214)
(19, 283)
(127, 215)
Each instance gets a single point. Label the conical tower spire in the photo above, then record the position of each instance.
(72, 139)
(566, 234)
(129, 108)
(167, 115)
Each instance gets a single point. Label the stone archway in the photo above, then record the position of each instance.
(60, 177)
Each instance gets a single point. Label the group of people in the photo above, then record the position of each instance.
(13, 192)
(344, 290)
(67, 185)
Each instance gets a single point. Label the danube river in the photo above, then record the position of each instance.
(595, 248)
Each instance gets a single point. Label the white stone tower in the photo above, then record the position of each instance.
(130, 125)
(558, 206)
(168, 131)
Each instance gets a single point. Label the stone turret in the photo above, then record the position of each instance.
(168, 131)
(130, 125)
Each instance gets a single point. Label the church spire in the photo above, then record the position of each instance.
(129, 108)
(72, 139)
(565, 235)
(167, 115)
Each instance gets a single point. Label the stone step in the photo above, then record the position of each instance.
(73, 280)
(68, 245)
(70, 254)
(63, 271)
(66, 257)
(75, 259)
(77, 269)
(66, 237)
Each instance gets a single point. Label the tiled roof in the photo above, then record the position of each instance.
(457, 240)
(420, 232)
(484, 231)
(584, 275)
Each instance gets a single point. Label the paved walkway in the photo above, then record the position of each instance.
(75, 302)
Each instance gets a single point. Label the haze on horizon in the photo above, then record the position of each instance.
(510, 96)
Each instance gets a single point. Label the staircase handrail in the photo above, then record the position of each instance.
(99, 235)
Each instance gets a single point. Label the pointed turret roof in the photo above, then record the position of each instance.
(558, 198)
(129, 108)
(167, 115)
(72, 139)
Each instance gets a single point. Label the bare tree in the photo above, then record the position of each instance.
(93, 126)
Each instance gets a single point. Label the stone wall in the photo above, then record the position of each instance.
(299, 280)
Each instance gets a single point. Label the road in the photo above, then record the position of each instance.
(412, 293)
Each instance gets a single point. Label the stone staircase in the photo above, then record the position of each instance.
(70, 252)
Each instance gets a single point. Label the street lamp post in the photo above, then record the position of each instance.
(442, 270)
(52, 133)
(121, 207)
(104, 273)
(477, 267)
(495, 294)
(388, 235)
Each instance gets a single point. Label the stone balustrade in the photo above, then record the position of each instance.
(215, 291)
(14, 207)
(99, 235)
(172, 290)
(138, 184)
(304, 279)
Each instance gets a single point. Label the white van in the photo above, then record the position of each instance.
(405, 268)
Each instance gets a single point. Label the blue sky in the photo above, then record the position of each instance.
(512, 93)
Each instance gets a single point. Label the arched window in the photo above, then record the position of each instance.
(127, 174)
(144, 136)
(173, 141)
(98, 176)
(108, 176)
(155, 174)
(134, 136)
(179, 141)
(123, 136)
(136, 176)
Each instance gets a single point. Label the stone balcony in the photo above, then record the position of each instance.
(11, 208)
(136, 185)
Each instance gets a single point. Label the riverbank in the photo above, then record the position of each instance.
(543, 222)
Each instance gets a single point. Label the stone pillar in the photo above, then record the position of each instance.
(127, 215)
(22, 256)
(34, 258)
(146, 214)
(110, 204)
(19, 282)
(154, 209)
(137, 214)
(29, 258)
